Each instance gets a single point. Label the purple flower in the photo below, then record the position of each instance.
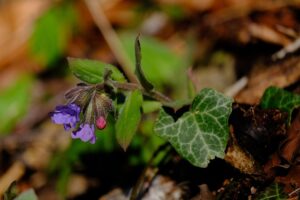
(86, 132)
(68, 115)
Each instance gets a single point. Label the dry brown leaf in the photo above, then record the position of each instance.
(43, 145)
(204, 194)
(193, 5)
(246, 21)
(16, 24)
(281, 75)
(267, 34)
(40, 146)
(241, 160)
(228, 10)
(291, 146)
(287, 158)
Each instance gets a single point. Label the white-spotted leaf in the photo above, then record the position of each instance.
(281, 99)
(201, 134)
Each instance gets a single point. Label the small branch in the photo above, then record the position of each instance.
(124, 86)
(236, 87)
(112, 39)
(290, 48)
(159, 96)
(294, 192)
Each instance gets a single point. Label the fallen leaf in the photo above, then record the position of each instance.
(281, 75)
(287, 159)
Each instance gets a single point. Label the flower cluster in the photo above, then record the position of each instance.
(87, 106)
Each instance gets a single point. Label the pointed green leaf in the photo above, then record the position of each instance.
(129, 118)
(201, 134)
(138, 68)
(92, 71)
(280, 99)
(27, 195)
(273, 192)
(160, 63)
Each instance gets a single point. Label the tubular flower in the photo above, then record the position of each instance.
(102, 106)
(86, 132)
(68, 115)
(87, 108)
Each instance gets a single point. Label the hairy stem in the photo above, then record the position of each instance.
(133, 86)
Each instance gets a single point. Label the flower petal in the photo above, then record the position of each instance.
(86, 133)
(67, 115)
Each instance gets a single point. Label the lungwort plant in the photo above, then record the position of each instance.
(199, 135)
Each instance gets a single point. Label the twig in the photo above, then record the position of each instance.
(294, 192)
(290, 48)
(159, 96)
(133, 86)
(112, 39)
(15, 172)
(236, 87)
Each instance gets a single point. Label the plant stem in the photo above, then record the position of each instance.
(133, 86)
(115, 45)
(112, 39)
(150, 171)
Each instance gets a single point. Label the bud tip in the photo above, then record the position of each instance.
(101, 123)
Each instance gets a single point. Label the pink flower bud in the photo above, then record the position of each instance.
(101, 123)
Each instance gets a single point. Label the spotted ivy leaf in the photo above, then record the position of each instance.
(200, 134)
(279, 98)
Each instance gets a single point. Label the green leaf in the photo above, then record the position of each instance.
(52, 32)
(160, 63)
(278, 98)
(14, 102)
(138, 68)
(151, 106)
(273, 192)
(129, 118)
(201, 134)
(144, 149)
(92, 71)
(27, 195)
